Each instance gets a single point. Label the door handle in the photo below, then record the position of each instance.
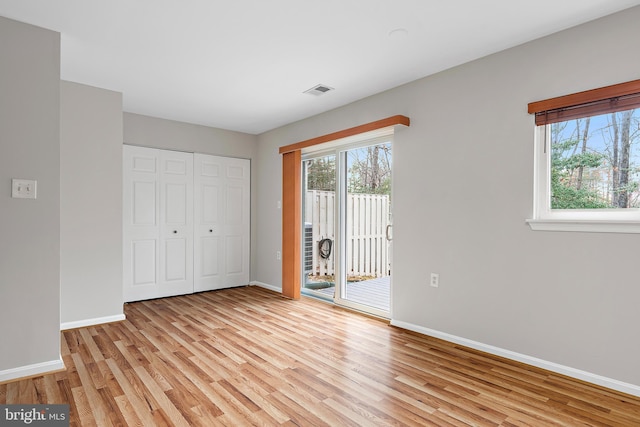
(388, 232)
(175, 231)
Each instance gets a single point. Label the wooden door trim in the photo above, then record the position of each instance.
(368, 127)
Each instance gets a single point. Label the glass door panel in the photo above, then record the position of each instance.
(318, 213)
(365, 281)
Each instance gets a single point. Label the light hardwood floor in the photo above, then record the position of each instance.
(246, 356)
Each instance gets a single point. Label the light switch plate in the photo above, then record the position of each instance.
(23, 188)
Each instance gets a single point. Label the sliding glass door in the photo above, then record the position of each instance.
(347, 225)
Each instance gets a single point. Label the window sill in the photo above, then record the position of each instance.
(588, 226)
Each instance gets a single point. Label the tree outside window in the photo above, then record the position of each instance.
(595, 162)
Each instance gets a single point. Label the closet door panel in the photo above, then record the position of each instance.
(208, 184)
(209, 250)
(234, 251)
(140, 222)
(210, 197)
(176, 262)
(144, 203)
(176, 223)
(237, 219)
(210, 253)
(222, 222)
(158, 223)
(144, 262)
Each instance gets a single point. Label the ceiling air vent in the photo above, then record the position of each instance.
(318, 90)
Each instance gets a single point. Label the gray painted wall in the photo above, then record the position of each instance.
(501, 283)
(171, 135)
(463, 182)
(29, 229)
(90, 204)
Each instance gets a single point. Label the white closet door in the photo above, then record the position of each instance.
(222, 222)
(141, 223)
(158, 223)
(208, 184)
(237, 222)
(176, 223)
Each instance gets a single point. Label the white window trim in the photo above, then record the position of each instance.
(593, 221)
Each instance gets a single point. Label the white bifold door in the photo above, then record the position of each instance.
(222, 222)
(177, 235)
(158, 223)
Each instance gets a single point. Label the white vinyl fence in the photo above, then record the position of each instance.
(367, 246)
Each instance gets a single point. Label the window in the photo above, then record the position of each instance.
(587, 161)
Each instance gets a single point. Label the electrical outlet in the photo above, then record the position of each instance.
(278, 255)
(435, 280)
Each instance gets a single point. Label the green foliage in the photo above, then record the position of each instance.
(321, 174)
(564, 195)
(568, 197)
(594, 162)
(584, 160)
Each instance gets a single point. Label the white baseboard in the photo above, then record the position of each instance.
(266, 286)
(91, 322)
(533, 361)
(31, 370)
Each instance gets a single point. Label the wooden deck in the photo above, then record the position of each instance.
(373, 293)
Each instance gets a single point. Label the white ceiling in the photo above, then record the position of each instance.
(244, 64)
